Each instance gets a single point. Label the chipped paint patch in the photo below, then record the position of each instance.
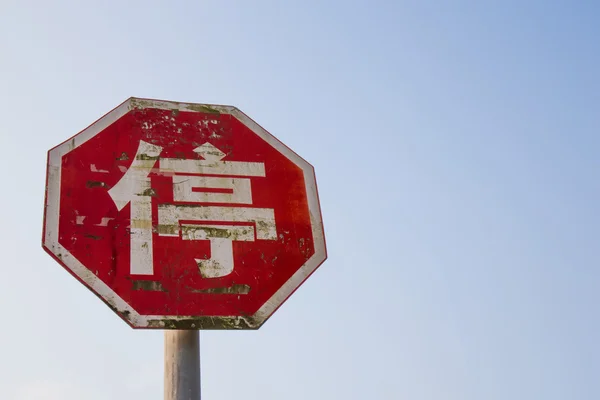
(95, 184)
(233, 289)
(151, 286)
(219, 323)
(93, 168)
(203, 108)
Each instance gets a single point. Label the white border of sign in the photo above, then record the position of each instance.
(51, 243)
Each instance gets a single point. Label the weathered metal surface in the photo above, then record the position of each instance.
(182, 365)
(183, 216)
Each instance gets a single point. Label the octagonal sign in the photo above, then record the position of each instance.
(183, 216)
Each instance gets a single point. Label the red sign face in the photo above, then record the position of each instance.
(183, 216)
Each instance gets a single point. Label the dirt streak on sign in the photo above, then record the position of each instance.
(183, 216)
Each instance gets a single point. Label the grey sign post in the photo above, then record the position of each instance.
(182, 365)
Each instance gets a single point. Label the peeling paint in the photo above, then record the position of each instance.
(93, 168)
(149, 192)
(233, 289)
(94, 184)
(206, 323)
(202, 108)
(151, 286)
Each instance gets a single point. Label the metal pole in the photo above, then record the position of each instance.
(182, 365)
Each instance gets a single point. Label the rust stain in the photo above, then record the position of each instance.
(149, 192)
(149, 286)
(141, 224)
(146, 157)
(233, 289)
(93, 184)
(202, 108)
(206, 323)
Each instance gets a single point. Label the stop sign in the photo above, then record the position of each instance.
(183, 216)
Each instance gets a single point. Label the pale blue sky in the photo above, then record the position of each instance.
(456, 146)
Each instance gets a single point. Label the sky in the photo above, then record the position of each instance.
(456, 148)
